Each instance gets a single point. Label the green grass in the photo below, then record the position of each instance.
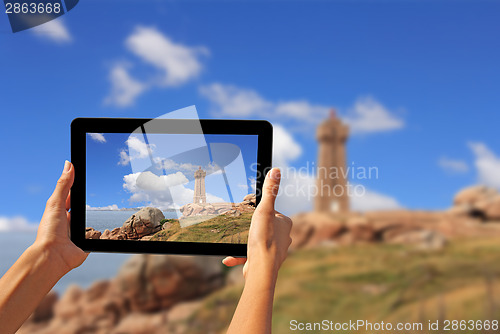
(377, 283)
(222, 228)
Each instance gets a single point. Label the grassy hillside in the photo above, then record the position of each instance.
(375, 283)
(223, 228)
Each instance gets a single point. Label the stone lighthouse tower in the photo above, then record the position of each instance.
(200, 197)
(331, 170)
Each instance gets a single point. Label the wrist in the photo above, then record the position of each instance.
(261, 274)
(48, 254)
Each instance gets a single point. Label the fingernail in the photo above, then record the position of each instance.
(67, 166)
(275, 174)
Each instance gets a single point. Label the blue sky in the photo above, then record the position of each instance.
(120, 173)
(418, 83)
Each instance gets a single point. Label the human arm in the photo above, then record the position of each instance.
(268, 242)
(49, 258)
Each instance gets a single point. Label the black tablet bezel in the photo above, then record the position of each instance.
(81, 126)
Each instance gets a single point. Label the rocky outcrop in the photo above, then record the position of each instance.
(472, 195)
(91, 233)
(477, 201)
(115, 234)
(144, 222)
(250, 199)
(193, 209)
(154, 293)
(313, 228)
(154, 282)
(473, 208)
(139, 226)
(140, 299)
(45, 310)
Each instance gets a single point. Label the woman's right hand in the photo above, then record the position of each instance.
(269, 235)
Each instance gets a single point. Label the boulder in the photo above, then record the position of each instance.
(313, 228)
(167, 226)
(186, 210)
(153, 282)
(360, 230)
(144, 222)
(115, 234)
(91, 233)
(69, 305)
(478, 201)
(197, 209)
(492, 212)
(210, 210)
(472, 195)
(250, 198)
(105, 234)
(45, 310)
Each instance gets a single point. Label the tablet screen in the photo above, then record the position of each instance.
(170, 187)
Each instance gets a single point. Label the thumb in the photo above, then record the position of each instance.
(63, 186)
(270, 189)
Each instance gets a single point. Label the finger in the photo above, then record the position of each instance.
(68, 201)
(234, 261)
(63, 186)
(68, 217)
(270, 189)
(282, 216)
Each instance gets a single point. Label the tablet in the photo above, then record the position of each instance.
(167, 185)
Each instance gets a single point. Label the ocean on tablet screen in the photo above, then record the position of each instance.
(102, 220)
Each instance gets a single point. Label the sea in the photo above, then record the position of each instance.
(98, 266)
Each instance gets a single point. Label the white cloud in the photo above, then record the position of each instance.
(179, 63)
(174, 64)
(98, 137)
(189, 168)
(369, 116)
(112, 207)
(229, 100)
(137, 149)
(18, 223)
(234, 101)
(124, 158)
(298, 189)
(302, 111)
(285, 148)
(150, 181)
(253, 184)
(452, 165)
(150, 188)
(366, 116)
(487, 164)
(124, 88)
(373, 201)
(54, 30)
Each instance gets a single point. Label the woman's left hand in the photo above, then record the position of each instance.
(53, 231)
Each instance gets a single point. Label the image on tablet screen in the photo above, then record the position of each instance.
(170, 187)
